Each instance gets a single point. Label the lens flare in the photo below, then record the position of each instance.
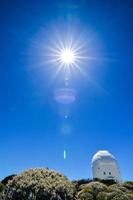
(65, 96)
(64, 154)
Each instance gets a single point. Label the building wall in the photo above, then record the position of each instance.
(106, 171)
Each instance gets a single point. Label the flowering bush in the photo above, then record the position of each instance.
(38, 184)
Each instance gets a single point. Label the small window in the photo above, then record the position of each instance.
(109, 173)
(98, 167)
(104, 173)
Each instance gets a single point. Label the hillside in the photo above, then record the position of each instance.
(45, 184)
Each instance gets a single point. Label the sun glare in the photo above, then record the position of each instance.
(67, 57)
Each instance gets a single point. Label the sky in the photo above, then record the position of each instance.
(33, 130)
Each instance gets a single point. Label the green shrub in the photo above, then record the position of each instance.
(7, 179)
(118, 196)
(99, 191)
(80, 182)
(91, 190)
(102, 196)
(108, 182)
(97, 187)
(128, 185)
(84, 195)
(1, 187)
(117, 187)
(130, 196)
(38, 184)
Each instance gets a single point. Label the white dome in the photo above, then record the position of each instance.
(105, 166)
(103, 155)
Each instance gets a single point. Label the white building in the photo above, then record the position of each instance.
(105, 167)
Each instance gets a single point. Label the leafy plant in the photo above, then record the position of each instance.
(38, 184)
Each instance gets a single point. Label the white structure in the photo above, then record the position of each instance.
(105, 167)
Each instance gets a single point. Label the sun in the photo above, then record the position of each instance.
(67, 56)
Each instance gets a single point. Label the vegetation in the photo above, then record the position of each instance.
(1, 187)
(45, 184)
(39, 184)
(7, 179)
(101, 191)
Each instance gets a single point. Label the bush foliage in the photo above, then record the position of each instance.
(96, 190)
(7, 179)
(38, 184)
(45, 184)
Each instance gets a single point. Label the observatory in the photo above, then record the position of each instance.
(105, 167)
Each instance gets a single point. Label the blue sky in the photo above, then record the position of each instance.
(31, 127)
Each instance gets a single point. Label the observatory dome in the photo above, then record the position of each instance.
(105, 166)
